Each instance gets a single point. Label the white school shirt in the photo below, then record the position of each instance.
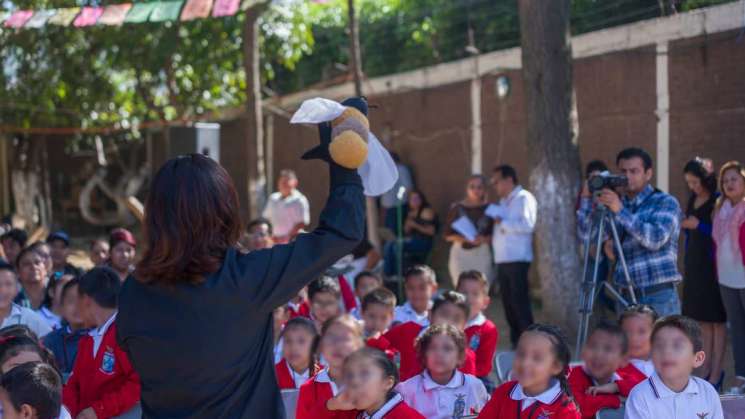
(547, 397)
(464, 395)
(286, 213)
(298, 379)
(406, 313)
(512, 239)
(27, 317)
(387, 407)
(644, 365)
(323, 377)
(652, 399)
(97, 334)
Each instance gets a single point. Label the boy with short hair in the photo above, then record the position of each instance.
(481, 334)
(420, 285)
(31, 390)
(324, 295)
(364, 283)
(377, 311)
(672, 391)
(103, 383)
(63, 342)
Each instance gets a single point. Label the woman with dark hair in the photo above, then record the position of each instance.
(701, 298)
(196, 317)
(420, 227)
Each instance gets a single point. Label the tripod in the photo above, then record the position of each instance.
(600, 216)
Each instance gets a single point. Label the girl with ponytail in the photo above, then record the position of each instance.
(540, 389)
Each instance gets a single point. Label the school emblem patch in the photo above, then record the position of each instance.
(108, 362)
(475, 341)
(702, 415)
(544, 415)
(459, 408)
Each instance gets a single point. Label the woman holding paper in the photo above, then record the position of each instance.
(469, 230)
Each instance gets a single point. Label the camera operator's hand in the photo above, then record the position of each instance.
(611, 200)
(690, 223)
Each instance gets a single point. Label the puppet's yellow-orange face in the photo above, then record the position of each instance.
(349, 134)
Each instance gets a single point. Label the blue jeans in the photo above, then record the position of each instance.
(665, 302)
(411, 247)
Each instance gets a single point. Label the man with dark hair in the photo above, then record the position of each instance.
(287, 209)
(103, 383)
(648, 222)
(13, 242)
(32, 390)
(512, 243)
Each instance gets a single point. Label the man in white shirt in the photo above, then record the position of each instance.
(512, 243)
(287, 209)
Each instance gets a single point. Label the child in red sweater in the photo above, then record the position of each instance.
(324, 295)
(340, 336)
(597, 385)
(481, 334)
(370, 379)
(297, 364)
(541, 390)
(103, 383)
(299, 306)
(637, 322)
(449, 308)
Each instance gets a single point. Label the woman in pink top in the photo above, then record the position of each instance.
(729, 237)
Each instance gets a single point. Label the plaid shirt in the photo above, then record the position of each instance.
(648, 226)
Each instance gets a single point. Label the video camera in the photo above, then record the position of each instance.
(606, 180)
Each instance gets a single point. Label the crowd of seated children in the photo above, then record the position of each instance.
(420, 286)
(298, 362)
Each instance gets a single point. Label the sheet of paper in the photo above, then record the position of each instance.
(495, 211)
(465, 228)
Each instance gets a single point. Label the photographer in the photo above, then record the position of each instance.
(648, 223)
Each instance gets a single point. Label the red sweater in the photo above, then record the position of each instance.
(400, 410)
(402, 338)
(107, 383)
(303, 310)
(589, 405)
(630, 377)
(311, 402)
(285, 378)
(482, 339)
(347, 294)
(501, 406)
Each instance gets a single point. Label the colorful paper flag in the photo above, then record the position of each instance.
(166, 10)
(225, 8)
(140, 12)
(64, 17)
(88, 17)
(18, 19)
(196, 9)
(40, 18)
(114, 15)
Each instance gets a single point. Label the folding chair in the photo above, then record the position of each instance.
(610, 414)
(503, 365)
(289, 398)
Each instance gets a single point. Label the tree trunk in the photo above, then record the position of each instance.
(254, 119)
(552, 152)
(355, 63)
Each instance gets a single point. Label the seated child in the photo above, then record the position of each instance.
(481, 334)
(340, 336)
(103, 381)
(280, 316)
(377, 312)
(596, 385)
(420, 285)
(449, 308)
(31, 390)
(671, 391)
(441, 391)
(637, 322)
(370, 379)
(324, 295)
(63, 342)
(20, 349)
(299, 306)
(298, 363)
(364, 283)
(540, 390)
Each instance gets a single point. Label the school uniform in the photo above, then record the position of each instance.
(637, 367)
(589, 405)
(402, 338)
(652, 399)
(384, 345)
(630, 378)
(25, 316)
(463, 395)
(405, 313)
(509, 401)
(482, 337)
(299, 310)
(311, 402)
(102, 377)
(288, 379)
(63, 343)
(395, 408)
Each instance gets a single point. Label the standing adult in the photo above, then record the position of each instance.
(287, 209)
(465, 254)
(123, 251)
(702, 300)
(420, 226)
(648, 223)
(729, 236)
(512, 241)
(196, 319)
(393, 201)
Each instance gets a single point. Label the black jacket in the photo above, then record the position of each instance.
(205, 351)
